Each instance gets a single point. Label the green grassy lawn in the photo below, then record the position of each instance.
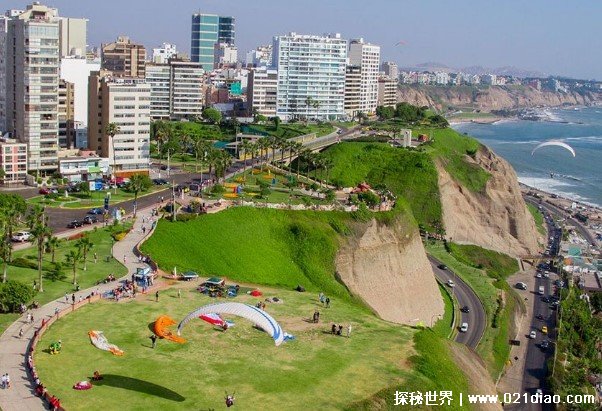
(194, 129)
(96, 198)
(54, 289)
(315, 371)
(410, 174)
(451, 148)
(538, 217)
(444, 326)
(271, 247)
(289, 130)
(497, 265)
(493, 348)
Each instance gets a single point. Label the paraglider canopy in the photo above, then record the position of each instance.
(253, 314)
(554, 143)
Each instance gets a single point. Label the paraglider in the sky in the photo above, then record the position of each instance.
(257, 316)
(400, 43)
(557, 143)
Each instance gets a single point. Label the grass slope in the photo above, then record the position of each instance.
(315, 371)
(538, 217)
(409, 174)
(271, 247)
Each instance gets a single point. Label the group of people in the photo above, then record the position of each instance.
(5, 381)
(337, 329)
(325, 301)
(107, 280)
(127, 289)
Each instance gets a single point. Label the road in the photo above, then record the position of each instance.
(476, 318)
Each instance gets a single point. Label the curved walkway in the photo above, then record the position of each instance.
(13, 349)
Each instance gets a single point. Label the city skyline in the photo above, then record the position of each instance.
(540, 36)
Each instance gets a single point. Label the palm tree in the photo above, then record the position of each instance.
(6, 246)
(72, 258)
(138, 183)
(244, 146)
(83, 247)
(263, 144)
(308, 103)
(305, 156)
(40, 232)
(316, 104)
(13, 211)
(161, 135)
(327, 164)
(224, 161)
(201, 147)
(283, 145)
(295, 148)
(273, 144)
(212, 157)
(52, 244)
(254, 150)
(112, 130)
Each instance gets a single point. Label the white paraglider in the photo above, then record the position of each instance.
(257, 316)
(554, 143)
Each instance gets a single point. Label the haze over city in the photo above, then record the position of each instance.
(552, 37)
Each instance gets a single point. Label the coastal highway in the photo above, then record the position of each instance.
(476, 318)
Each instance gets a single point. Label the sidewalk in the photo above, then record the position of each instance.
(13, 349)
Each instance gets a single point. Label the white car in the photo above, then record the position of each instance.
(464, 327)
(450, 283)
(538, 275)
(21, 237)
(546, 274)
(533, 335)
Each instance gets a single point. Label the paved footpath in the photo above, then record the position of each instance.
(13, 349)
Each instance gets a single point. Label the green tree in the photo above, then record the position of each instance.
(72, 258)
(12, 212)
(56, 273)
(13, 294)
(84, 244)
(52, 244)
(223, 162)
(277, 122)
(112, 130)
(137, 184)
(212, 115)
(201, 148)
(84, 189)
(385, 112)
(308, 103)
(244, 146)
(40, 231)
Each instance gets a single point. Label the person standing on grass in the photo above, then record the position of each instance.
(157, 296)
(95, 258)
(327, 302)
(153, 339)
(179, 293)
(349, 331)
(73, 298)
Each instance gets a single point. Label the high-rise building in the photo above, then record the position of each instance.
(66, 113)
(390, 68)
(311, 76)
(76, 70)
(13, 160)
(353, 86)
(262, 90)
(124, 101)
(176, 89)
(32, 65)
(73, 36)
(367, 57)
(164, 53)
(259, 57)
(206, 31)
(387, 91)
(224, 55)
(124, 58)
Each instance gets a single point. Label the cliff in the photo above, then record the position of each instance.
(496, 218)
(388, 269)
(491, 98)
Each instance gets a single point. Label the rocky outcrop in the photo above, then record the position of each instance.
(496, 218)
(491, 98)
(388, 269)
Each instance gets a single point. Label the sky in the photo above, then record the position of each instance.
(555, 37)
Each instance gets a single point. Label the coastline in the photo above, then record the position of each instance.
(562, 200)
(482, 120)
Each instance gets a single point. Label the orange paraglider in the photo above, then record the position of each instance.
(160, 326)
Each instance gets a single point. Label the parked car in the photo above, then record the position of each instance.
(442, 267)
(533, 335)
(89, 219)
(521, 286)
(465, 309)
(544, 329)
(75, 224)
(464, 327)
(21, 237)
(44, 191)
(95, 211)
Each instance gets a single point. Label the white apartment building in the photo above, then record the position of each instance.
(311, 76)
(13, 160)
(162, 54)
(73, 36)
(442, 78)
(353, 90)
(224, 55)
(262, 90)
(177, 89)
(124, 101)
(259, 57)
(32, 97)
(367, 57)
(76, 70)
(391, 69)
(387, 91)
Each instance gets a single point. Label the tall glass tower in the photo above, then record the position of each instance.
(207, 30)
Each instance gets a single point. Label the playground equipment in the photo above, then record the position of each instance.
(55, 347)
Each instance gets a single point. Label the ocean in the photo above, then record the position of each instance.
(551, 169)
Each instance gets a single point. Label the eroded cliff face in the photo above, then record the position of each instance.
(388, 269)
(497, 218)
(491, 98)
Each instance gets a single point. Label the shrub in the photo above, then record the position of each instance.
(362, 213)
(218, 189)
(369, 198)
(56, 273)
(120, 235)
(13, 294)
(24, 263)
(185, 217)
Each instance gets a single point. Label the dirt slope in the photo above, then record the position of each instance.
(388, 269)
(497, 219)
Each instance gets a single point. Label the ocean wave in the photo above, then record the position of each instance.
(557, 187)
(584, 138)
